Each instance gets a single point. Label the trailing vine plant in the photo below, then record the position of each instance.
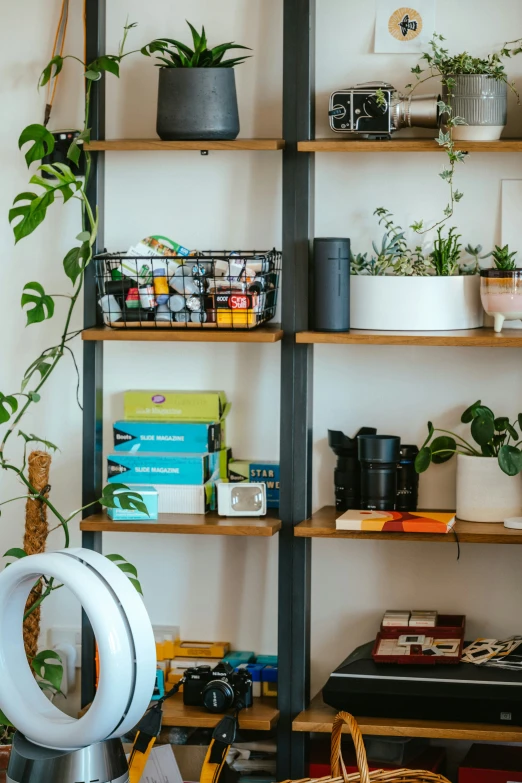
(439, 64)
(28, 212)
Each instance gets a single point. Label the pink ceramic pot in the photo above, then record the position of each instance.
(501, 294)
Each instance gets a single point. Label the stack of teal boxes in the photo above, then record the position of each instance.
(174, 441)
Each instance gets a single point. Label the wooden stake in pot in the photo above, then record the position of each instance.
(35, 537)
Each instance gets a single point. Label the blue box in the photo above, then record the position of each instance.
(167, 437)
(266, 472)
(239, 657)
(269, 674)
(158, 468)
(267, 660)
(150, 498)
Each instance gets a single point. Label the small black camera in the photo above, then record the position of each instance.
(62, 141)
(217, 689)
(376, 110)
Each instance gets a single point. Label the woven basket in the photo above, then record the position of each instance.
(339, 774)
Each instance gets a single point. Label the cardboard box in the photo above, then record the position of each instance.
(175, 406)
(218, 464)
(492, 764)
(158, 468)
(181, 437)
(150, 498)
(264, 472)
(186, 499)
(190, 760)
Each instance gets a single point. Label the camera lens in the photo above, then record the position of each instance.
(407, 480)
(347, 475)
(416, 111)
(379, 456)
(218, 696)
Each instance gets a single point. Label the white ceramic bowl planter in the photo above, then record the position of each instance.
(484, 492)
(389, 303)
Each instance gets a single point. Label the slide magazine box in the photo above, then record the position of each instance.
(176, 437)
(158, 468)
(175, 405)
(186, 499)
(266, 472)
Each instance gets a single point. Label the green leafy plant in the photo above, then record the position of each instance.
(175, 54)
(473, 266)
(494, 437)
(438, 63)
(393, 256)
(29, 211)
(503, 258)
(446, 253)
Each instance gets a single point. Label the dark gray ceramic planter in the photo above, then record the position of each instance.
(197, 104)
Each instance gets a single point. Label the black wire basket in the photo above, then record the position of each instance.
(207, 290)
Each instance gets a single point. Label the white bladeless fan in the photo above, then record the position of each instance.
(51, 747)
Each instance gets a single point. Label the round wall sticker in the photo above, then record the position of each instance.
(405, 24)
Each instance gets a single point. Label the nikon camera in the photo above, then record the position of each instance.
(217, 689)
(376, 110)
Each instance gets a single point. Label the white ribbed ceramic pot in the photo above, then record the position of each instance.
(423, 304)
(481, 100)
(484, 492)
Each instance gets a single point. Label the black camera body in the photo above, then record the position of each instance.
(376, 110)
(217, 689)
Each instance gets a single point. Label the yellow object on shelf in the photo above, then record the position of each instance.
(200, 649)
(270, 689)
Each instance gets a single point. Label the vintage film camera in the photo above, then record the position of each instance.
(376, 110)
(62, 141)
(217, 689)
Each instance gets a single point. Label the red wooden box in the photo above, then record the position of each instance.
(430, 760)
(449, 626)
(492, 764)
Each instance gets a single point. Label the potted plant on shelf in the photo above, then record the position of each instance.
(501, 288)
(474, 105)
(197, 97)
(489, 487)
(400, 289)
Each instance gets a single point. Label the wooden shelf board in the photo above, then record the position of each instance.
(263, 334)
(135, 145)
(342, 144)
(262, 716)
(465, 338)
(322, 525)
(189, 524)
(319, 718)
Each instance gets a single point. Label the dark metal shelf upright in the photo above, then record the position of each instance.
(296, 385)
(296, 372)
(92, 464)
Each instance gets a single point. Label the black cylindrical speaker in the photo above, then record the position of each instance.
(331, 277)
(379, 456)
(407, 480)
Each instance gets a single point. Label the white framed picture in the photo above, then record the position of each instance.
(404, 27)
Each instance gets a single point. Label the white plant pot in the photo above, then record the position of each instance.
(484, 492)
(421, 304)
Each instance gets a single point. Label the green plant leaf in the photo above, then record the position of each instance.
(136, 584)
(501, 424)
(423, 459)
(47, 73)
(127, 568)
(50, 672)
(510, 460)
(483, 428)
(6, 402)
(75, 150)
(43, 142)
(43, 303)
(41, 365)
(443, 449)
(469, 414)
(431, 430)
(125, 498)
(32, 214)
(15, 552)
(76, 259)
(107, 62)
(36, 439)
(92, 75)
(34, 397)
(512, 431)
(4, 720)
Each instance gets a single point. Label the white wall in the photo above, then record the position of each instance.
(225, 587)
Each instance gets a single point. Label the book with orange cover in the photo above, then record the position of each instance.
(397, 521)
